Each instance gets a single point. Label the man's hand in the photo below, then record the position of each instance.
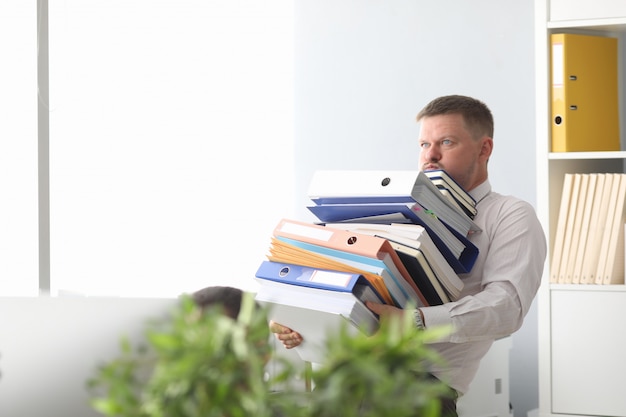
(384, 310)
(285, 335)
(290, 339)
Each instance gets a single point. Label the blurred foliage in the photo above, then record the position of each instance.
(205, 364)
(196, 364)
(380, 375)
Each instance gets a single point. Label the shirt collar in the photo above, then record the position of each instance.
(481, 191)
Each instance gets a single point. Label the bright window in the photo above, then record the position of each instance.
(171, 155)
(19, 264)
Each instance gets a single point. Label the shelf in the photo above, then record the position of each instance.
(587, 288)
(586, 155)
(617, 24)
(577, 320)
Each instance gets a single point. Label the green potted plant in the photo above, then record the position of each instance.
(380, 375)
(203, 364)
(196, 363)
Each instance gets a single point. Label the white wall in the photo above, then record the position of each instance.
(364, 68)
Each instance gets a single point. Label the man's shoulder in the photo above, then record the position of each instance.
(507, 204)
(496, 197)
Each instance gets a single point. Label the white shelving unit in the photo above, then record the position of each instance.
(582, 342)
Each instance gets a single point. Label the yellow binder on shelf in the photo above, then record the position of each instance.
(585, 113)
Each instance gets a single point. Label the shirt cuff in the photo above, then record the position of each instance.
(436, 316)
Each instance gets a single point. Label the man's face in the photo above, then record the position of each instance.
(447, 144)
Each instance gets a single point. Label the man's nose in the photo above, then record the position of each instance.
(432, 154)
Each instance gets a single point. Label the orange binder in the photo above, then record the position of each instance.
(347, 241)
(585, 113)
(284, 252)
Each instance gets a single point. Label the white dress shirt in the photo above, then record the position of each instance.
(498, 290)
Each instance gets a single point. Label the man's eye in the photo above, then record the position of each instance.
(446, 142)
(424, 145)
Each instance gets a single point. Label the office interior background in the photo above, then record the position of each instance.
(148, 148)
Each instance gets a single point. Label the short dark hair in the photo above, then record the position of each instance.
(229, 298)
(476, 114)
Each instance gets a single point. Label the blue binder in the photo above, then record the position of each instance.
(319, 278)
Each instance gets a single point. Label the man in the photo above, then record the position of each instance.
(456, 135)
(229, 298)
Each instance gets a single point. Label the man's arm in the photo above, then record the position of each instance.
(504, 282)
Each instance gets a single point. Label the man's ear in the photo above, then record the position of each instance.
(486, 147)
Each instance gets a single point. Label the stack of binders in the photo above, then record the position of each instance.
(316, 301)
(389, 237)
(397, 197)
(453, 191)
